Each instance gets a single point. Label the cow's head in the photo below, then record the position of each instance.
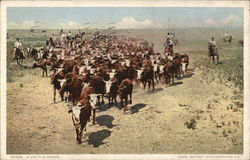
(127, 62)
(93, 100)
(92, 70)
(139, 73)
(152, 60)
(81, 70)
(112, 74)
(161, 67)
(171, 58)
(76, 111)
(62, 81)
(108, 86)
(122, 63)
(155, 67)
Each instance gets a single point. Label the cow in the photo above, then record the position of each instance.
(112, 87)
(41, 64)
(99, 85)
(125, 90)
(73, 85)
(146, 75)
(228, 38)
(169, 72)
(184, 64)
(177, 64)
(88, 95)
(80, 117)
(56, 82)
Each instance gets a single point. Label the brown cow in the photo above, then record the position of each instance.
(112, 87)
(169, 72)
(80, 117)
(88, 95)
(73, 85)
(41, 64)
(146, 75)
(99, 85)
(125, 90)
(56, 82)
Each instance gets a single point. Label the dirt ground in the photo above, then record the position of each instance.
(154, 123)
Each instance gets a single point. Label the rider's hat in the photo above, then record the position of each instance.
(17, 39)
(212, 37)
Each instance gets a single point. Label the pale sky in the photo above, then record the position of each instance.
(122, 17)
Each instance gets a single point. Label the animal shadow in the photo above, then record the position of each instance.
(135, 108)
(176, 83)
(96, 138)
(104, 107)
(155, 90)
(23, 66)
(105, 120)
(188, 75)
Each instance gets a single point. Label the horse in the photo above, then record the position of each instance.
(228, 39)
(19, 56)
(241, 42)
(176, 42)
(213, 54)
(168, 50)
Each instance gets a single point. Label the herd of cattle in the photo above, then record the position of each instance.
(86, 71)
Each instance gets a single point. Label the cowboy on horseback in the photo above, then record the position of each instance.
(211, 44)
(17, 47)
(169, 45)
(213, 51)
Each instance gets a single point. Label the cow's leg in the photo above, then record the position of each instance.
(121, 102)
(54, 89)
(109, 100)
(115, 99)
(173, 79)
(46, 71)
(130, 97)
(156, 78)
(149, 85)
(83, 125)
(43, 72)
(126, 104)
(77, 135)
(153, 84)
(94, 110)
(102, 98)
(144, 84)
(61, 95)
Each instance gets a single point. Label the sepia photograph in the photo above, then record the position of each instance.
(144, 78)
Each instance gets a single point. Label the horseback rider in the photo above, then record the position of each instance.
(17, 45)
(168, 36)
(169, 45)
(211, 44)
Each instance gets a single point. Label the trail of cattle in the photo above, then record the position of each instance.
(193, 116)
